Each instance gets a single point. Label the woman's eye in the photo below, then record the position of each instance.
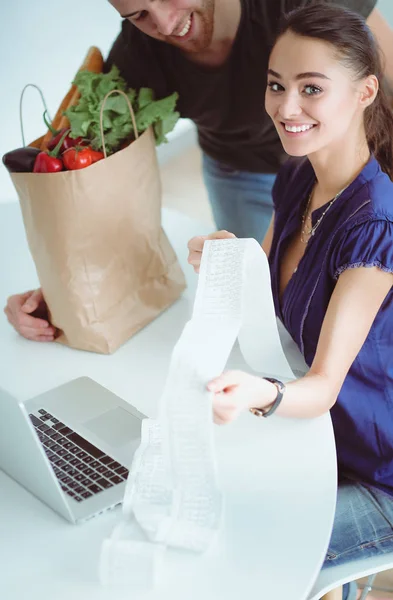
(312, 90)
(274, 86)
(141, 15)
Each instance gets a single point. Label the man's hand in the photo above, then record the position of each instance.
(195, 246)
(28, 314)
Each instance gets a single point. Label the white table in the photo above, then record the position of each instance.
(278, 475)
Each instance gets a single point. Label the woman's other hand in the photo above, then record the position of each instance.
(195, 246)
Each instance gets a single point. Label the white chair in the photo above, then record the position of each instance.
(331, 578)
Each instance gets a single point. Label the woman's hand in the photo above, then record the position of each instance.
(236, 391)
(195, 246)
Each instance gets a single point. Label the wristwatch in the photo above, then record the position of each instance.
(266, 412)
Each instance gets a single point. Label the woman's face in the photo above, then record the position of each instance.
(311, 97)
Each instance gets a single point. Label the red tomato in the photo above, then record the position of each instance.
(77, 159)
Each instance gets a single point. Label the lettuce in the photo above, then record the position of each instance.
(84, 117)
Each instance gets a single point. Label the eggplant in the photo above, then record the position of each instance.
(21, 160)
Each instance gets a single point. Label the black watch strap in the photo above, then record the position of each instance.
(261, 412)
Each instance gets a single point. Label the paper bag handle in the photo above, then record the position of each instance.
(102, 116)
(20, 107)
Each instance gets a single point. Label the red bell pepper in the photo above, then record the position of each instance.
(68, 141)
(48, 162)
(45, 163)
(81, 157)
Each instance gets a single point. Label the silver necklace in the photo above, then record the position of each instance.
(308, 232)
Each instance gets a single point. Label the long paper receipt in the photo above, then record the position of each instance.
(172, 496)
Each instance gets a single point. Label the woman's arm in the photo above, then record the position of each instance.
(353, 307)
(267, 240)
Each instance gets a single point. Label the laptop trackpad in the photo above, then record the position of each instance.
(116, 427)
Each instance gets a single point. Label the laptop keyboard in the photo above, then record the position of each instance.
(82, 469)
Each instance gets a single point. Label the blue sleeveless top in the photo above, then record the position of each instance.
(357, 231)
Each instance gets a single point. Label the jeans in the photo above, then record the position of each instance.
(363, 526)
(350, 591)
(241, 201)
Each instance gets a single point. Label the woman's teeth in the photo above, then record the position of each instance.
(186, 28)
(297, 129)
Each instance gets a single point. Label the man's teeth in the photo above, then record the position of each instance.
(295, 129)
(186, 28)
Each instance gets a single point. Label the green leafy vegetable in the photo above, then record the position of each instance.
(84, 117)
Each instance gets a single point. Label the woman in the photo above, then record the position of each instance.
(330, 249)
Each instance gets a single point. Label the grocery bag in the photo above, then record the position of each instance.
(104, 263)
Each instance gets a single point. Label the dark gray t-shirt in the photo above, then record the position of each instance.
(226, 103)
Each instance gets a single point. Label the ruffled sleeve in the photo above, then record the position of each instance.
(368, 244)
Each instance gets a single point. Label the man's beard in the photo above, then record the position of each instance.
(205, 17)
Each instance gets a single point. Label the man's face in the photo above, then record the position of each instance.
(186, 24)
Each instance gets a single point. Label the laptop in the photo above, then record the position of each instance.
(71, 446)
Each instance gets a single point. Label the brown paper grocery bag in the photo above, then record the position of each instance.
(104, 263)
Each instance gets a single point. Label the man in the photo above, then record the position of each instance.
(214, 53)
